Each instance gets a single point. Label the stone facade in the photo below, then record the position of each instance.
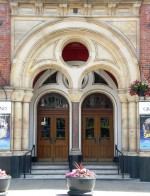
(116, 35)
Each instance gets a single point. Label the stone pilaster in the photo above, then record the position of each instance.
(25, 134)
(132, 119)
(75, 148)
(124, 122)
(75, 96)
(75, 126)
(17, 97)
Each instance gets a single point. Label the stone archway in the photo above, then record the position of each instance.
(25, 67)
(32, 56)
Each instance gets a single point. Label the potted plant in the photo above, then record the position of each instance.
(80, 181)
(4, 181)
(140, 88)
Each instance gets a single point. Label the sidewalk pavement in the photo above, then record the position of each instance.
(22, 187)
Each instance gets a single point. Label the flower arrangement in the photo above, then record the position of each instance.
(80, 172)
(3, 174)
(137, 85)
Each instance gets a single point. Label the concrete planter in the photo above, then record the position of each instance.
(4, 184)
(80, 186)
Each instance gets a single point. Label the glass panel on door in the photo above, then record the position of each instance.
(104, 128)
(60, 128)
(89, 128)
(45, 128)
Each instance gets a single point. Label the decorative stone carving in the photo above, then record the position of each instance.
(27, 96)
(63, 9)
(14, 8)
(17, 95)
(88, 9)
(103, 8)
(136, 8)
(112, 8)
(75, 95)
(39, 8)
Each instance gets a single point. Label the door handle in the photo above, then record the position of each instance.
(99, 140)
(96, 140)
(55, 140)
(50, 139)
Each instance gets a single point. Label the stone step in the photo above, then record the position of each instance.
(49, 170)
(55, 167)
(62, 177)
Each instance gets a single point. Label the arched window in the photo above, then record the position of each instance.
(97, 101)
(53, 101)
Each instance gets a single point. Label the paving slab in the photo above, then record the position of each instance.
(23, 187)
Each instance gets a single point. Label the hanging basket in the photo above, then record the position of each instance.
(140, 93)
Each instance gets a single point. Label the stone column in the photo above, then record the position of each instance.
(17, 97)
(124, 122)
(75, 150)
(132, 119)
(75, 126)
(25, 134)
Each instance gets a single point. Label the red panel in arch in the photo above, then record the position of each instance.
(75, 51)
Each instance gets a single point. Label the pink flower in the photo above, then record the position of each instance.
(136, 85)
(80, 172)
(2, 174)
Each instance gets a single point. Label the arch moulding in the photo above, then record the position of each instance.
(24, 68)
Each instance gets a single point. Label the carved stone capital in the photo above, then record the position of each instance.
(63, 9)
(136, 8)
(112, 5)
(88, 8)
(64, 5)
(28, 96)
(14, 8)
(87, 5)
(39, 8)
(123, 97)
(75, 95)
(17, 95)
(132, 98)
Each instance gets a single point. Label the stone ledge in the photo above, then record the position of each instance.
(103, 8)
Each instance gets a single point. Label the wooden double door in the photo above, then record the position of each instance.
(97, 136)
(53, 136)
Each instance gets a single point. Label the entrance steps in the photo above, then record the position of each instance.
(57, 170)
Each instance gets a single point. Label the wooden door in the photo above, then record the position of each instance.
(53, 137)
(105, 137)
(97, 137)
(89, 137)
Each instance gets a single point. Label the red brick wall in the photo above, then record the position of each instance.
(145, 40)
(5, 43)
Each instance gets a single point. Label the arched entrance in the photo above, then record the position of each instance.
(97, 128)
(52, 133)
